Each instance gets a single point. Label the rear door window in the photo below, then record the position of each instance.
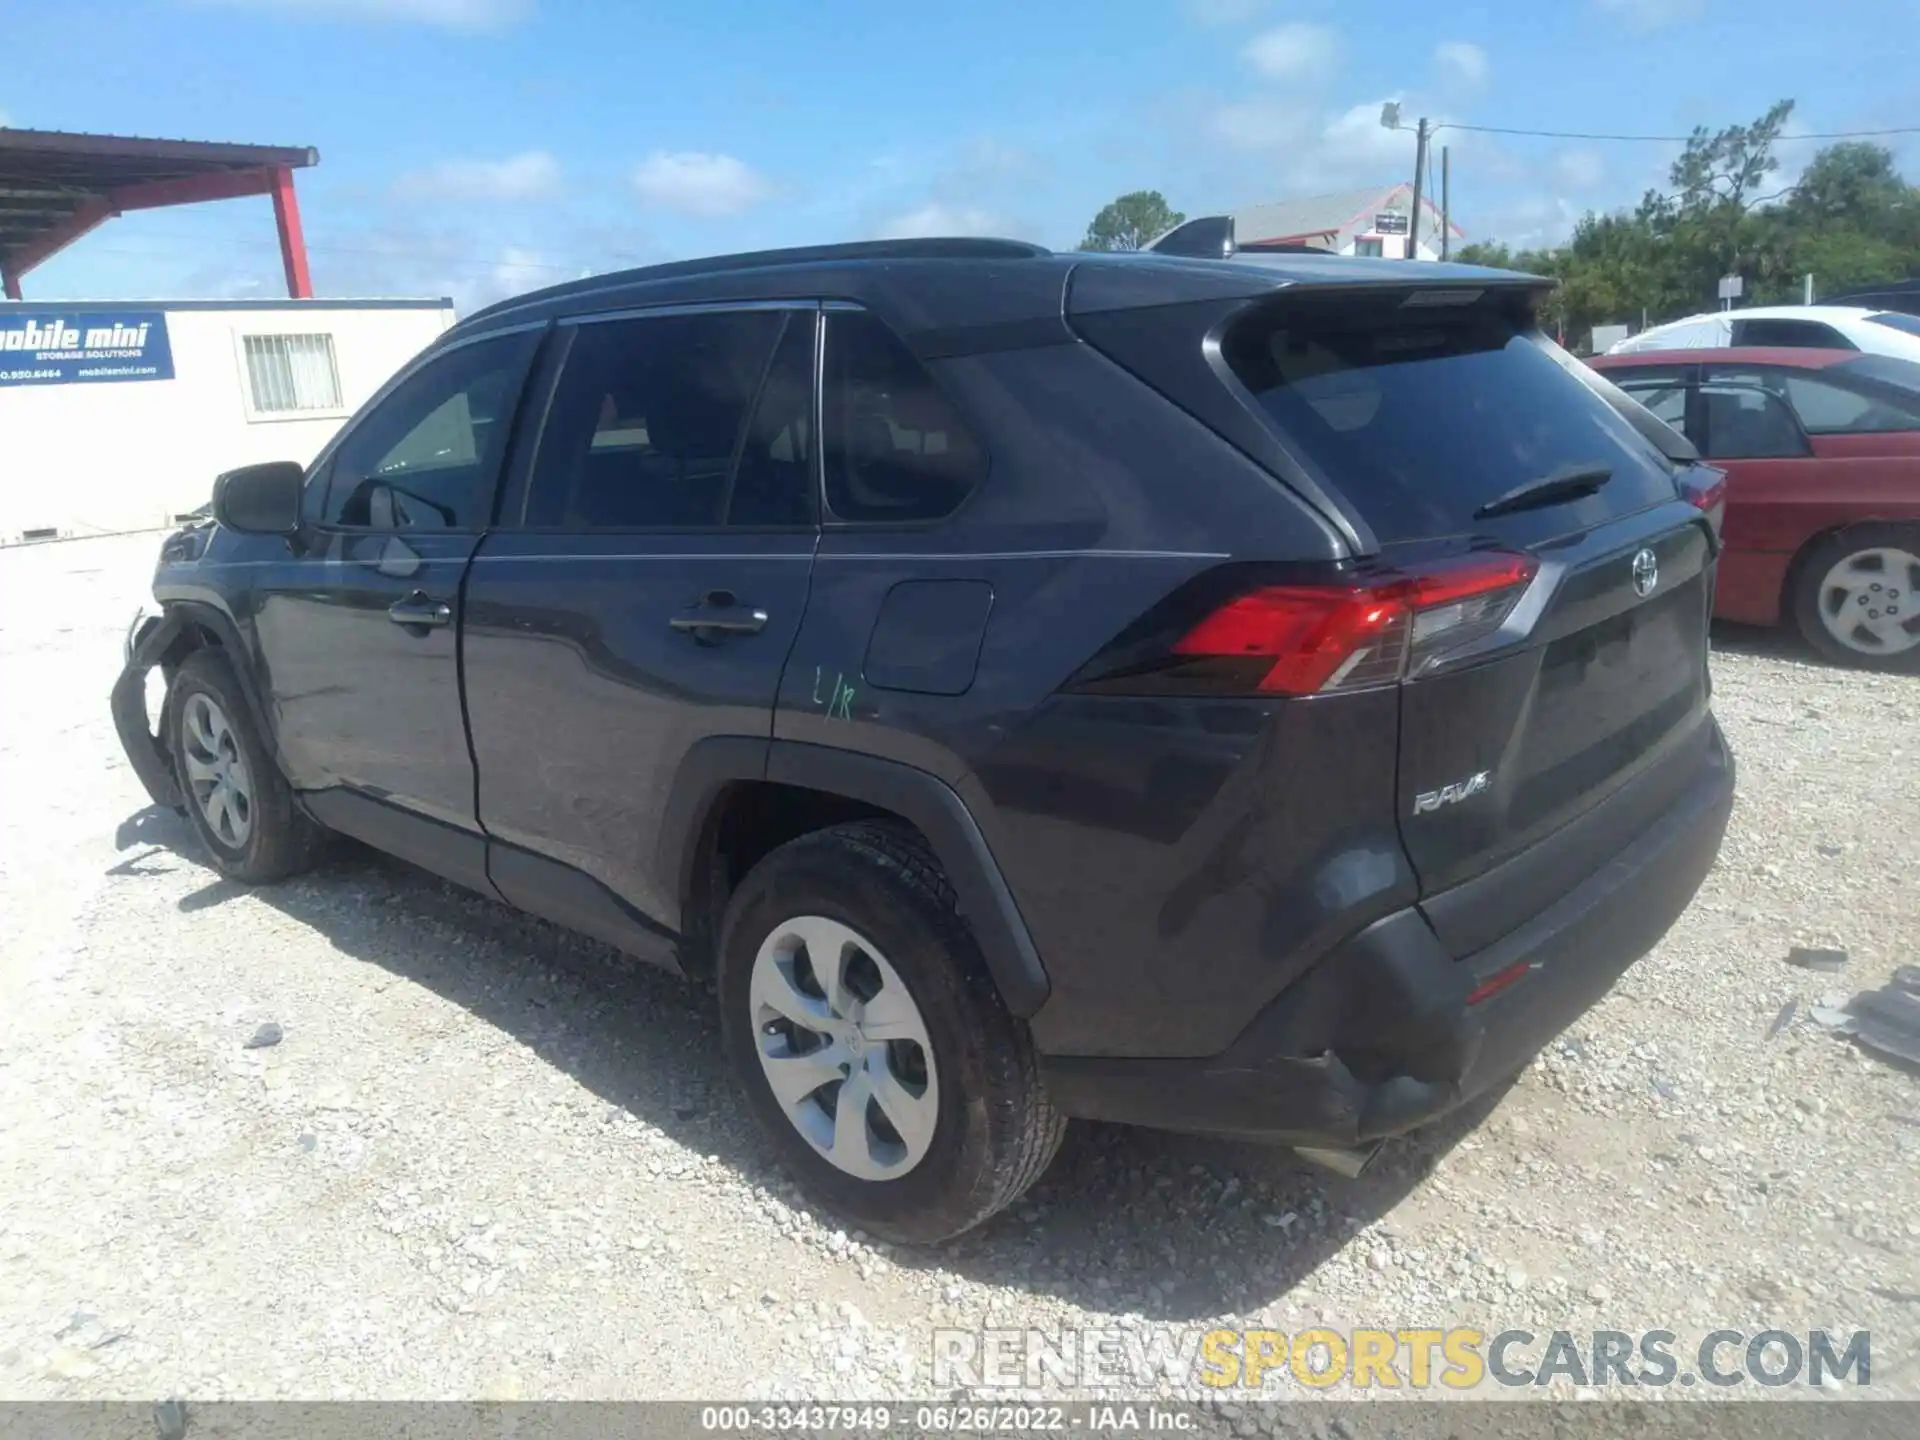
(649, 420)
(1420, 419)
(1745, 421)
(1664, 392)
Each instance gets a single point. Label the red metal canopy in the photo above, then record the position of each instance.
(55, 187)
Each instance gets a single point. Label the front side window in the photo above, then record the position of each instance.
(679, 422)
(896, 450)
(424, 458)
(1829, 404)
(291, 375)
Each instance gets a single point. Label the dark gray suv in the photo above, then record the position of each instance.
(1262, 696)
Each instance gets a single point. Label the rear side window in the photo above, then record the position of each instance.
(646, 425)
(1790, 335)
(1419, 420)
(895, 448)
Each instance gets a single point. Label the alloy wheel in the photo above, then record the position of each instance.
(1870, 601)
(844, 1047)
(217, 772)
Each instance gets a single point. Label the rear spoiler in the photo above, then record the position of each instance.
(1212, 237)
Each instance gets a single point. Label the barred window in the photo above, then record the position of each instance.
(291, 374)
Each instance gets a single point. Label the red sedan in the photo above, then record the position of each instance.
(1822, 454)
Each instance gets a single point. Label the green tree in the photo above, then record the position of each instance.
(1485, 252)
(1853, 183)
(1850, 219)
(1131, 222)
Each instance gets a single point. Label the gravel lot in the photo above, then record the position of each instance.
(493, 1159)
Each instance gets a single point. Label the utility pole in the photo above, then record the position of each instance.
(1446, 207)
(1419, 174)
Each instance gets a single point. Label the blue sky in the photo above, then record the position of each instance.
(477, 147)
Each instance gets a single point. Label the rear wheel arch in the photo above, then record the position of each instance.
(1790, 582)
(736, 799)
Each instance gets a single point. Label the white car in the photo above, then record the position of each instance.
(1791, 327)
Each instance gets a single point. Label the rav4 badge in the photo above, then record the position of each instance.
(1429, 800)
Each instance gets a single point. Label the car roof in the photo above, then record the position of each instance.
(1778, 355)
(1825, 314)
(950, 295)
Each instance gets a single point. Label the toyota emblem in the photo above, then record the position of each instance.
(1646, 573)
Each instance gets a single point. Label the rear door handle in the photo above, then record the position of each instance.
(706, 623)
(418, 609)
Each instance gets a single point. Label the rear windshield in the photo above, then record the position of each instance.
(1895, 321)
(1420, 419)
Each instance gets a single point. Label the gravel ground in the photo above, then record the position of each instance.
(492, 1159)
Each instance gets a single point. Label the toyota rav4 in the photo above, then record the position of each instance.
(1263, 696)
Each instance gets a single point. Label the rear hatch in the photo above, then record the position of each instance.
(1539, 581)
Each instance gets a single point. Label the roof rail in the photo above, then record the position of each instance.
(953, 248)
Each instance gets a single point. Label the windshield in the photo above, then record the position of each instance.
(1893, 320)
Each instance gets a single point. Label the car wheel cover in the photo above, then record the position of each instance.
(844, 1048)
(217, 774)
(1868, 601)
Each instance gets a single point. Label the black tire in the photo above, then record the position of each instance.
(995, 1130)
(281, 839)
(1810, 571)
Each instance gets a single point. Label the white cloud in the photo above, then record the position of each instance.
(1224, 12)
(935, 218)
(1294, 51)
(1641, 16)
(1462, 64)
(1579, 169)
(518, 269)
(446, 14)
(1307, 151)
(1264, 123)
(691, 182)
(532, 175)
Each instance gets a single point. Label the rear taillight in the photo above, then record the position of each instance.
(1706, 491)
(1309, 639)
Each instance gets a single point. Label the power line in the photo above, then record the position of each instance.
(1664, 139)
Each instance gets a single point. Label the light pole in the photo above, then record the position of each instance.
(1390, 119)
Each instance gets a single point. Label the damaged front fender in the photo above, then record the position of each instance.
(147, 642)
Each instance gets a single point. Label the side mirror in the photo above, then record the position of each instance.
(260, 499)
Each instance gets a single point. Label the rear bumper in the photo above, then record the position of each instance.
(1384, 1034)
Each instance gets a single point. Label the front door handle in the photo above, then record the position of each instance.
(418, 609)
(712, 623)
